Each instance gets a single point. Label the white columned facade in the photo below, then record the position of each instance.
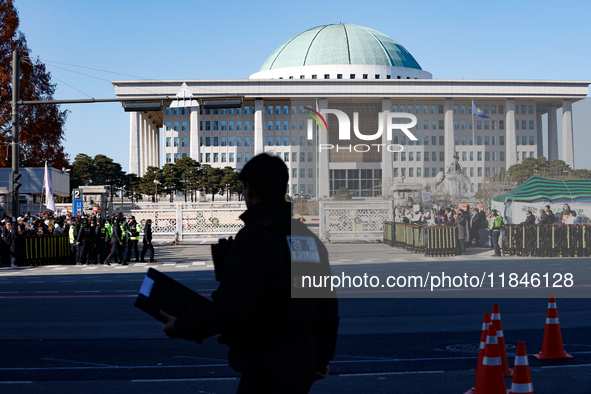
(539, 134)
(552, 134)
(134, 140)
(510, 143)
(387, 157)
(142, 142)
(150, 145)
(154, 145)
(568, 151)
(258, 127)
(448, 131)
(324, 173)
(157, 136)
(194, 148)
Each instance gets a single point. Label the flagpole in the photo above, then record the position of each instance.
(473, 147)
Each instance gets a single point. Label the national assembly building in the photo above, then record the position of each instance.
(364, 74)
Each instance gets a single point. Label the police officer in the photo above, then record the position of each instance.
(147, 242)
(116, 244)
(84, 242)
(72, 237)
(100, 237)
(280, 344)
(497, 225)
(133, 234)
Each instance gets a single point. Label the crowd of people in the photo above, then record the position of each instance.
(93, 240)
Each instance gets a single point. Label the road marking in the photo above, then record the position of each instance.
(66, 281)
(565, 366)
(178, 380)
(89, 268)
(59, 268)
(182, 266)
(140, 264)
(36, 281)
(122, 268)
(387, 373)
(199, 263)
(104, 280)
(46, 292)
(87, 291)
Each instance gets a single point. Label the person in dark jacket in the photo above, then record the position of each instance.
(17, 247)
(544, 218)
(84, 242)
(550, 214)
(280, 344)
(461, 221)
(147, 242)
(565, 213)
(475, 228)
(530, 219)
(100, 241)
(116, 244)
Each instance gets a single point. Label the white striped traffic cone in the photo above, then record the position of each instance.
(496, 319)
(486, 322)
(552, 347)
(491, 378)
(521, 383)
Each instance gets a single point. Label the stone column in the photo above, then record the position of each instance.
(142, 155)
(552, 134)
(568, 152)
(448, 131)
(157, 144)
(194, 148)
(258, 127)
(149, 144)
(134, 139)
(323, 157)
(540, 138)
(387, 157)
(510, 143)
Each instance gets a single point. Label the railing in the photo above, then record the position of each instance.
(548, 241)
(47, 249)
(433, 241)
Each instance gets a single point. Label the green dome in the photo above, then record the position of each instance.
(340, 44)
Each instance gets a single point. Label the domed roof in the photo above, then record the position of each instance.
(340, 44)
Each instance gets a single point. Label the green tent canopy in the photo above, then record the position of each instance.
(536, 188)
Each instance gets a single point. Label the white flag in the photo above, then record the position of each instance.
(49, 201)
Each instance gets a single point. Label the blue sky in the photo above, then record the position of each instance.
(231, 39)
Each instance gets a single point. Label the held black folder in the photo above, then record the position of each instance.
(159, 291)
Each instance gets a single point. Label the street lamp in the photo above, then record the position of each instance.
(156, 182)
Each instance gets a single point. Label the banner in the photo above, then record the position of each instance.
(49, 201)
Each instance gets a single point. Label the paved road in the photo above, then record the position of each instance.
(74, 329)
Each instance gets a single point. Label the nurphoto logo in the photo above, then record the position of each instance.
(385, 121)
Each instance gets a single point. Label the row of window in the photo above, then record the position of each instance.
(466, 140)
(294, 156)
(431, 172)
(351, 76)
(250, 109)
(302, 172)
(216, 125)
(224, 141)
(176, 157)
(302, 189)
(176, 142)
(176, 111)
(224, 158)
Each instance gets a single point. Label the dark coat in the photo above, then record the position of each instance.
(148, 232)
(551, 217)
(116, 234)
(529, 220)
(267, 330)
(545, 219)
(461, 221)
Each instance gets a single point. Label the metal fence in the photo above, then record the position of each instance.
(190, 220)
(47, 249)
(433, 241)
(353, 219)
(548, 241)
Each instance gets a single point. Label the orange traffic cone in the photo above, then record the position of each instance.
(521, 383)
(491, 379)
(496, 319)
(301, 219)
(486, 322)
(552, 348)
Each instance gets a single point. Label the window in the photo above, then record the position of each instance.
(176, 125)
(339, 76)
(168, 125)
(278, 141)
(522, 109)
(352, 76)
(486, 124)
(433, 140)
(364, 76)
(479, 174)
(425, 124)
(531, 140)
(494, 124)
(501, 125)
(238, 141)
(418, 156)
(200, 141)
(231, 125)
(441, 140)
(523, 140)
(231, 157)
(395, 156)
(184, 142)
(426, 172)
(246, 125)
(207, 112)
(310, 173)
(168, 113)
(184, 126)
(471, 139)
(463, 125)
(464, 156)
(223, 125)
(494, 156)
(531, 124)
(425, 140)
(433, 109)
(246, 141)
(472, 171)
(464, 140)
(479, 125)
(215, 125)
(402, 140)
(524, 125)
(294, 156)
(502, 156)
(294, 172)
(270, 141)
(493, 109)
(310, 189)
(215, 157)
(176, 142)
(425, 109)
(411, 172)
(278, 125)
(168, 141)
(441, 156)
(207, 141)
(200, 125)
(523, 155)
(168, 159)
(463, 110)
(440, 108)
(231, 141)
(215, 141)
(486, 156)
(302, 157)
(457, 140)
(302, 172)
(302, 125)
(270, 125)
(501, 140)
(494, 139)
(456, 124)
(471, 156)
(285, 156)
(310, 156)
(456, 109)
(402, 156)
(501, 110)
(411, 156)
(486, 140)
(246, 157)
(223, 157)
(486, 109)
